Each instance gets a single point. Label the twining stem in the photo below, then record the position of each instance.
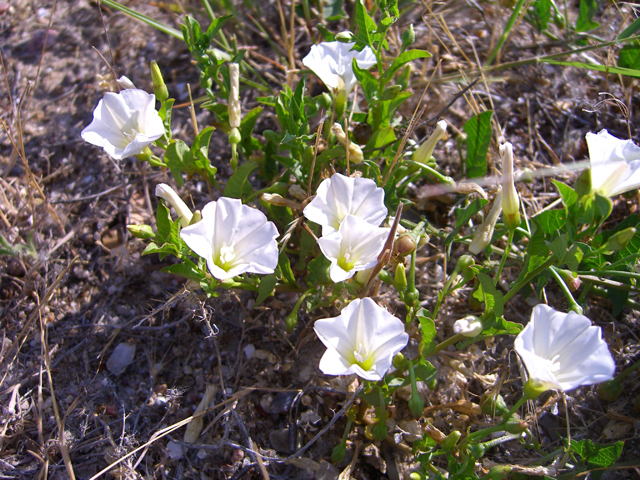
(496, 428)
(507, 30)
(515, 288)
(507, 249)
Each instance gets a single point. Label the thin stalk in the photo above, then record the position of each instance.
(615, 273)
(504, 256)
(143, 18)
(527, 279)
(507, 30)
(573, 305)
(496, 428)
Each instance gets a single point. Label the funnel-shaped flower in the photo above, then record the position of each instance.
(340, 196)
(124, 123)
(484, 233)
(169, 195)
(332, 62)
(363, 340)
(563, 351)
(234, 239)
(353, 248)
(424, 151)
(615, 164)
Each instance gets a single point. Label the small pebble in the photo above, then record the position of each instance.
(121, 358)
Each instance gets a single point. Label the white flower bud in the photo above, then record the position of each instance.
(234, 109)
(424, 152)
(510, 199)
(125, 83)
(169, 195)
(483, 234)
(355, 152)
(468, 326)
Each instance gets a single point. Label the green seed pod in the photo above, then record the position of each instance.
(405, 245)
(498, 472)
(477, 450)
(324, 100)
(234, 136)
(399, 362)
(516, 425)
(416, 404)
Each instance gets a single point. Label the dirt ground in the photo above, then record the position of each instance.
(131, 350)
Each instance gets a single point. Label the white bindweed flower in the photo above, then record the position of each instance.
(125, 123)
(363, 340)
(234, 239)
(615, 164)
(340, 196)
(332, 62)
(169, 195)
(562, 351)
(354, 247)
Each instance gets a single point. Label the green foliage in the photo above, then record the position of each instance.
(478, 129)
(192, 161)
(585, 20)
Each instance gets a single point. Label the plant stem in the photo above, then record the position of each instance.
(515, 288)
(507, 249)
(507, 30)
(573, 305)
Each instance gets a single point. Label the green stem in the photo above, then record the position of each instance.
(498, 441)
(143, 18)
(507, 30)
(573, 305)
(448, 342)
(515, 288)
(615, 273)
(496, 428)
(504, 257)
(626, 372)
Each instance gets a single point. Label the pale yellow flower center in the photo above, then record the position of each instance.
(226, 256)
(347, 261)
(363, 358)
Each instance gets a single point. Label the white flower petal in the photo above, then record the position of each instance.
(363, 339)
(563, 351)
(608, 155)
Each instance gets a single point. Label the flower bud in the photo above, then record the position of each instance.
(234, 109)
(125, 83)
(159, 88)
(400, 279)
(355, 152)
(325, 100)
(570, 278)
(450, 441)
(408, 37)
(405, 245)
(345, 37)
(621, 239)
(416, 404)
(399, 362)
(476, 450)
(417, 476)
(484, 233)
(493, 404)
(468, 326)
(465, 262)
(516, 425)
(425, 151)
(510, 199)
(169, 195)
(141, 231)
(610, 391)
(146, 155)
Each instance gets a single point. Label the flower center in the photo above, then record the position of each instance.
(362, 357)
(226, 256)
(346, 262)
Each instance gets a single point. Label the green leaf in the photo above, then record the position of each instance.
(537, 253)
(366, 26)
(368, 82)
(428, 332)
(568, 194)
(216, 25)
(630, 30)
(380, 138)
(403, 59)
(236, 185)
(174, 157)
(425, 371)
(266, 288)
(163, 221)
(585, 18)
(551, 221)
(333, 11)
(597, 455)
(285, 269)
(493, 303)
(478, 129)
(595, 67)
(559, 247)
(318, 272)
(184, 270)
(463, 215)
(618, 298)
(541, 14)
